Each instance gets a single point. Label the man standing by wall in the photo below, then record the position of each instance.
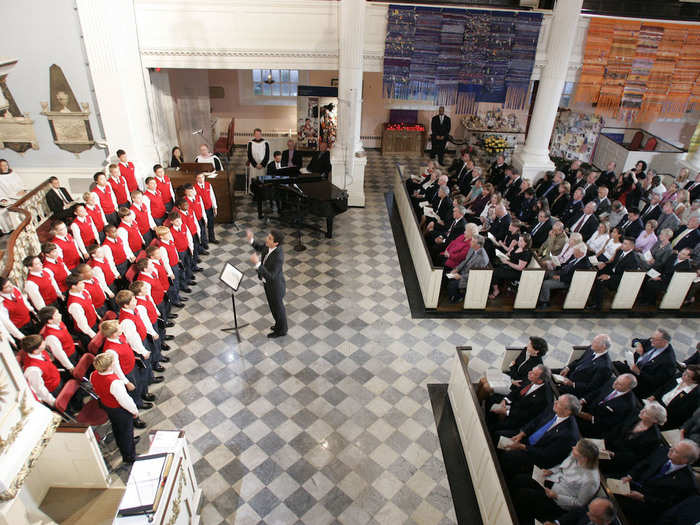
(439, 131)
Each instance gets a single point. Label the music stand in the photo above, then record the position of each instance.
(231, 277)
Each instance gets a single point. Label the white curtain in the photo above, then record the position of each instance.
(163, 114)
(190, 88)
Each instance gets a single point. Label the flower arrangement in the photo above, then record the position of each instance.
(405, 127)
(495, 144)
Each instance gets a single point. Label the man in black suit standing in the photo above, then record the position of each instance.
(291, 158)
(611, 273)
(590, 371)
(653, 286)
(608, 405)
(440, 127)
(59, 200)
(269, 267)
(660, 481)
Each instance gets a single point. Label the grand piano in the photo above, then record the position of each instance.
(300, 195)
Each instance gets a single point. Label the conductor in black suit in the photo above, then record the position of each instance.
(269, 267)
(440, 127)
(59, 200)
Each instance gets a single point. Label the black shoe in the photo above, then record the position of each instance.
(158, 368)
(164, 359)
(137, 439)
(198, 270)
(168, 337)
(146, 405)
(157, 379)
(213, 241)
(148, 397)
(172, 316)
(178, 305)
(593, 307)
(204, 252)
(186, 290)
(184, 299)
(169, 324)
(164, 347)
(542, 305)
(139, 423)
(192, 282)
(274, 335)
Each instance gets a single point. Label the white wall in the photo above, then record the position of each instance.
(48, 34)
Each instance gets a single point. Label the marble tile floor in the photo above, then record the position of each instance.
(332, 423)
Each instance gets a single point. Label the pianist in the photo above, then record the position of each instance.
(321, 160)
(275, 164)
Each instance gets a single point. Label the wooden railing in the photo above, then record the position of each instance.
(33, 211)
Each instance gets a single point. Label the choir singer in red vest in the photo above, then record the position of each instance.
(206, 192)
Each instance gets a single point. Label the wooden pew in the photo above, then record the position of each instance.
(677, 290)
(429, 276)
(627, 292)
(495, 504)
(529, 286)
(580, 289)
(478, 288)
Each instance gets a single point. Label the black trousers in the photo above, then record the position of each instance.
(112, 218)
(140, 377)
(437, 148)
(203, 233)
(123, 427)
(531, 502)
(279, 313)
(210, 224)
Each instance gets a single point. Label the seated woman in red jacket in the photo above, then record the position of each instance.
(457, 250)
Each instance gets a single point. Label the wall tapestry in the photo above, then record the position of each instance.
(16, 128)
(460, 56)
(575, 135)
(644, 70)
(69, 122)
(317, 116)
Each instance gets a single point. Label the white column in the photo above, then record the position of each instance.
(692, 160)
(111, 45)
(348, 156)
(532, 160)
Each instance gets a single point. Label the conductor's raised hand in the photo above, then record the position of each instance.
(249, 235)
(254, 258)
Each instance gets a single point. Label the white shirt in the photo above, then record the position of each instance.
(118, 390)
(110, 263)
(32, 289)
(78, 314)
(53, 344)
(212, 196)
(212, 159)
(5, 316)
(146, 206)
(671, 394)
(36, 382)
(101, 189)
(65, 239)
(10, 185)
(257, 150)
(610, 249)
(130, 332)
(102, 213)
(75, 230)
(574, 485)
(597, 241)
(124, 236)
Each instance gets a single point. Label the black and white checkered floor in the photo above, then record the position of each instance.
(332, 424)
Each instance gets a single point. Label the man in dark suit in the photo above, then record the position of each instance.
(679, 402)
(687, 236)
(291, 157)
(602, 202)
(497, 171)
(59, 200)
(269, 267)
(632, 227)
(513, 187)
(574, 209)
(590, 190)
(693, 188)
(668, 218)
(439, 237)
(499, 229)
(586, 223)
(660, 481)
(550, 191)
(320, 160)
(610, 275)
(540, 231)
(440, 126)
(685, 513)
(652, 210)
(600, 511)
(590, 371)
(545, 441)
(654, 362)
(275, 164)
(522, 405)
(442, 206)
(561, 279)
(608, 177)
(458, 166)
(606, 407)
(653, 286)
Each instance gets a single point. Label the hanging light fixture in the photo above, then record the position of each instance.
(269, 80)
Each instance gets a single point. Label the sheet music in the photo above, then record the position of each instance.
(559, 378)
(538, 475)
(423, 204)
(164, 441)
(647, 256)
(629, 357)
(594, 260)
(491, 237)
(602, 452)
(504, 442)
(618, 486)
(143, 484)
(428, 212)
(452, 276)
(500, 254)
(653, 273)
(555, 260)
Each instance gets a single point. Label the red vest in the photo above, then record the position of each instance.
(150, 308)
(140, 327)
(87, 234)
(63, 335)
(105, 196)
(157, 291)
(205, 194)
(49, 372)
(102, 384)
(59, 272)
(46, 289)
(156, 201)
(134, 236)
(162, 274)
(129, 173)
(171, 249)
(70, 253)
(119, 188)
(196, 206)
(96, 294)
(189, 220)
(124, 351)
(96, 215)
(86, 302)
(106, 270)
(164, 188)
(117, 248)
(180, 238)
(141, 218)
(17, 308)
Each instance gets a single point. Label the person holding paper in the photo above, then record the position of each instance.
(628, 443)
(545, 441)
(654, 362)
(269, 268)
(566, 486)
(679, 396)
(439, 236)
(476, 258)
(561, 279)
(660, 481)
(512, 267)
(657, 281)
(590, 371)
(205, 157)
(600, 511)
(605, 407)
(556, 240)
(611, 273)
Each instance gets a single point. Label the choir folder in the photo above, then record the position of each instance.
(145, 486)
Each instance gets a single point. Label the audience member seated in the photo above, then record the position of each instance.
(541, 229)
(556, 240)
(497, 171)
(561, 202)
(679, 397)
(607, 406)
(633, 439)
(608, 177)
(590, 371)
(647, 238)
(667, 219)
(660, 481)
(59, 200)
(653, 286)
(439, 236)
(561, 279)
(585, 223)
(600, 511)
(567, 486)
(652, 210)
(550, 189)
(521, 405)
(632, 226)
(654, 362)
(511, 267)
(456, 251)
(618, 214)
(597, 242)
(687, 236)
(602, 202)
(691, 428)
(573, 211)
(661, 251)
(441, 207)
(475, 259)
(610, 273)
(555, 261)
(545, 441)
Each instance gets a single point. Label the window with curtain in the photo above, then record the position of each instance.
(284, 85)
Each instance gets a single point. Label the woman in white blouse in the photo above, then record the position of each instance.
(607, 252)
(679, 397)
(599, 238)
(565, 254)
(570, 484)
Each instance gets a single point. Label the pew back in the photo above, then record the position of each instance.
(627, 291)
(529, 286)
(676, 290)
(478, 288)
(579, 289)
